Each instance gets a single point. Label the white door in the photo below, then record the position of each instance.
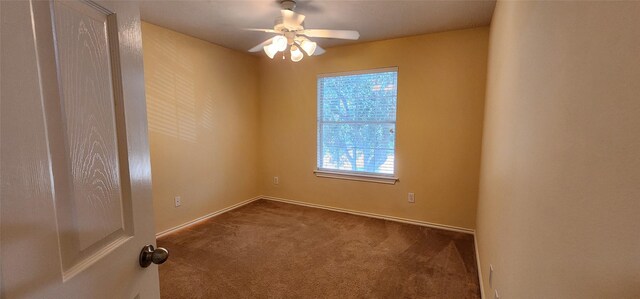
(76, 206)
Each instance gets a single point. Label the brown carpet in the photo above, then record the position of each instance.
(269, 249)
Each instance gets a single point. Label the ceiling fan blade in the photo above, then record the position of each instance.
(327, 33)
(261, 30)
(319, 51)
(259, 47)
(291, 19)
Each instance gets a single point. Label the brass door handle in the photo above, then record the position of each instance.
(150, 255)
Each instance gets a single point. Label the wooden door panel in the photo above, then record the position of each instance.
(88, 105)
(93, 209)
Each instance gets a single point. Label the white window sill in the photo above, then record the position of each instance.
(356, 177)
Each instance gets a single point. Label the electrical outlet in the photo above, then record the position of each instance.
(178, 201)
(491, 275)
(495, 295)
(276, 180)
(411, 198)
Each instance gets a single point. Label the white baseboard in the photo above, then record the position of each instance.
(205, 217)
(475, 243)
(373, 215)
(312, 205)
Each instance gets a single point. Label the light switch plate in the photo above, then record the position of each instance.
(178, 201)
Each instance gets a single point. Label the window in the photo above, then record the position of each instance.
(357, 124)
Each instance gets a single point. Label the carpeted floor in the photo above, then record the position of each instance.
(270, 249)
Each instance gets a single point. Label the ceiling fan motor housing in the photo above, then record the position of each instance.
(279, 25)
(288, 4)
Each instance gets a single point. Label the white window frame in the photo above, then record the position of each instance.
(351, 175)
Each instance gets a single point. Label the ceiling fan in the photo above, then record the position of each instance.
(291, 34)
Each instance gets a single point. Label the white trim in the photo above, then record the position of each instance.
(475, 243)
(359, 72)
(373, 215)
(205, 217)
(356, 177)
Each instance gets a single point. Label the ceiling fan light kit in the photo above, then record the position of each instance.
(296, 54)
(308, 46)
(279, 43)
(291, 34)
(270, 50)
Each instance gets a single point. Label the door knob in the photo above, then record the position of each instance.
(150, 255)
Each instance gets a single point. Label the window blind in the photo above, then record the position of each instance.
(357, 122)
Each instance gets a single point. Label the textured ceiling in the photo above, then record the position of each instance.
(221, 22)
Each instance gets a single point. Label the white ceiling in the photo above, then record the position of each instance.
(221, 22)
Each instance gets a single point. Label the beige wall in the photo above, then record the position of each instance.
(202, 105)
(559, 206)
(441, 89)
